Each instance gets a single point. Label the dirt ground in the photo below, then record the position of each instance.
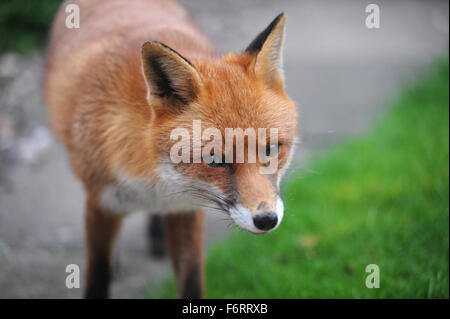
(339, 72)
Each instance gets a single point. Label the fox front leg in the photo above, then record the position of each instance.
(185, 239)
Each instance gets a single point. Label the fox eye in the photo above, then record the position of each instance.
(215, 160)
(272, 150)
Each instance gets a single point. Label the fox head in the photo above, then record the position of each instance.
(237, 91)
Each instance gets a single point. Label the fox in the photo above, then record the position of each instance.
(117, 86)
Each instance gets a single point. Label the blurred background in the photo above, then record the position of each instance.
(342, 75)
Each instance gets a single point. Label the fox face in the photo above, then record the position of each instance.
(238, 91)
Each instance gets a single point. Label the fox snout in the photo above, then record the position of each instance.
(260, 221)
(265, 219)
(259, 207)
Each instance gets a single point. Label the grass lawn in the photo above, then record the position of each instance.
(378, 199)
(24, 24)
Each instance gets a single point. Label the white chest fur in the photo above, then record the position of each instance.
(167, 196)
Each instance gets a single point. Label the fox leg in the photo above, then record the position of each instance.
(102, 228)
(185, 239)
(157, 246)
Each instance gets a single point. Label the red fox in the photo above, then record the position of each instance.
(121, 83)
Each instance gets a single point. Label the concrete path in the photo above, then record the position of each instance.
(339, 72)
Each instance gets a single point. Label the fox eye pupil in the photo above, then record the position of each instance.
(272, 149)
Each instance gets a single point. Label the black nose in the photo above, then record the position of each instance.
(265, 221)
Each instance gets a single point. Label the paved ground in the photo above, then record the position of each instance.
(339, 72)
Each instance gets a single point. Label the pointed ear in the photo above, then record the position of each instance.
(168, 75)
(267, 48)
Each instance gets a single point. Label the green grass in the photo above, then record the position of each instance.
(24, 24)
(379, 199)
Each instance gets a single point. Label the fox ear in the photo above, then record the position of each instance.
(168, 75)
(267, 48)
